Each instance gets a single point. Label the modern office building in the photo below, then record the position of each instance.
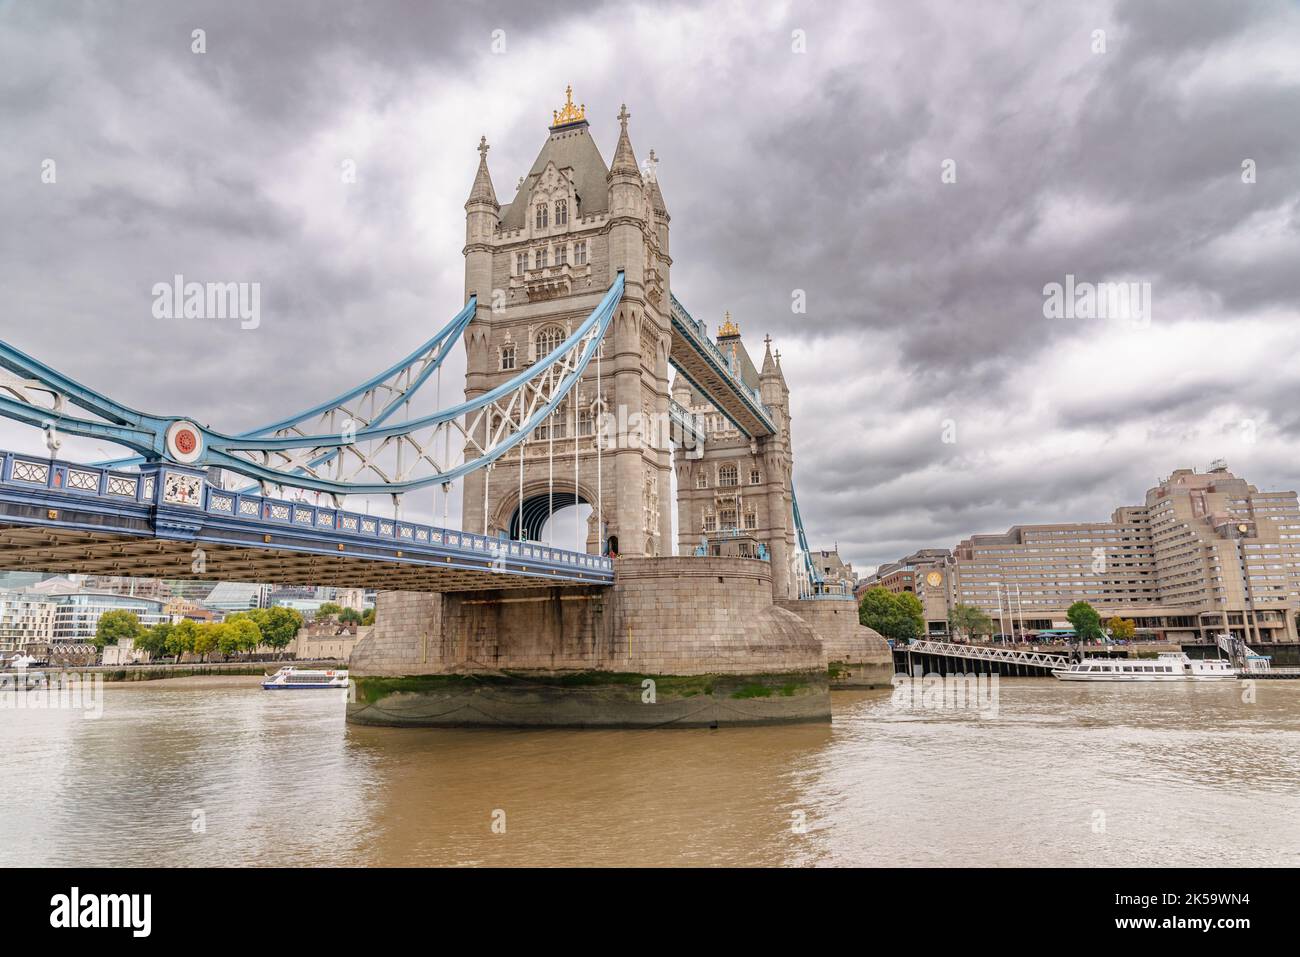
(238, 596)
(76, 615)
(1206, 552)
(24, 618)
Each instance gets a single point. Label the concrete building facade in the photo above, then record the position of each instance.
(1205, 552)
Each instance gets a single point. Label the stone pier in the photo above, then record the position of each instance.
(684, 642)
(857, 656)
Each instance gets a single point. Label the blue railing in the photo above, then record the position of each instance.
(139, 491)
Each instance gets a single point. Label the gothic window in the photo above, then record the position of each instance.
(728, 477)
(548, 340)
(710, 522)
(540, 258)
(521, 263)
(586, 422)
(507, 357)
(561, 212)
(727, 517)
(580, 253)
(751, 519)
(561, 255)
(755, 477)
(648, 344)
(541, 216)
(555, 425)
(701, 479)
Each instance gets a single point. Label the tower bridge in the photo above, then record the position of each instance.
(570, 329)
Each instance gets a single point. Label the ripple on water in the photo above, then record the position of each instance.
(1056, 775)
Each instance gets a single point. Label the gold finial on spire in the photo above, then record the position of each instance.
(729, 328)
(568, 114)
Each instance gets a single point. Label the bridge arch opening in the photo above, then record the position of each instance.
(560, 519)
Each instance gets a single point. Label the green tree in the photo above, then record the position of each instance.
(911, 622)
(350, 616)
(329, 608)
(899, 617)
(281, 627)
(969, 619)
(154, 640)
(246, 634)
(206, 639)
(182, 638)
(1123, 629)
(1086, 622)
(368, 618)
(115, 625)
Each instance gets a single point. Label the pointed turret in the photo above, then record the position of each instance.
(482, 216)
(771, 381)
(482, 191)
(656, 196)
(624, 158)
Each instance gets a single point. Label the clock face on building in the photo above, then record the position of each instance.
(934, 579)
(1242, 528)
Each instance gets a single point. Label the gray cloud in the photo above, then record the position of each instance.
(782, 171)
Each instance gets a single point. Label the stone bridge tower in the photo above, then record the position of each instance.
(539, 265)
(739, 491)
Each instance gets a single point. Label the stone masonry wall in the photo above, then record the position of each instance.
(862, 654)
(671, 616)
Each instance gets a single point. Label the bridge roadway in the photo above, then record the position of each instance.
(711, 372)
(167, 521)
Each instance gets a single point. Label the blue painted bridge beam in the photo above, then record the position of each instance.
(166, 521)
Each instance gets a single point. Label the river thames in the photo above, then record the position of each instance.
(226, 774)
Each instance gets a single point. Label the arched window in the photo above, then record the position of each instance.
(561, 212)
(755, 477)
(548, 340)
(728, 477)
(507, 357)
(701, 479)
(540, 258)
(541, 216)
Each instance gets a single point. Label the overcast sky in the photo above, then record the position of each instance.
(819, 171)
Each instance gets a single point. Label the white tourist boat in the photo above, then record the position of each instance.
(1170, 666)
(297, 679)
